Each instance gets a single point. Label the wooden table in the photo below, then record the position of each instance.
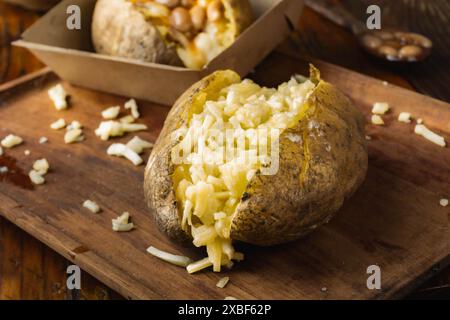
(30, 270)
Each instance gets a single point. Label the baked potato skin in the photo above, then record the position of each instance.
(242, 14)
(315, 175)
(120, 30)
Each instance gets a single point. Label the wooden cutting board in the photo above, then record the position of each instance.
(393, 221)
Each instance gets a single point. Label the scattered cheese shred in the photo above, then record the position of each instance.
(121, 150)
(443, 202)
(181, 261)
(404, 117)
(91, 206)
(11, 141)
(36, 177)
(59, 97)
(132, 105)
(43, 140)
(423, 131)
(380, 108)
(111, 128)
(74, 125)
(420, 121)
(230, 298)
(27, 152)
(138, 145)
(58, 124)
(222, 282)
(41, 166)
(199, 265)
(377, 120)
(111, 113)
(3, 170)
(121, 223)
(73, 135)
(1, 151)
(127, 119)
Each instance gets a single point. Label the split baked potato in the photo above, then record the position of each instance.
(213, 178)
(174, 32)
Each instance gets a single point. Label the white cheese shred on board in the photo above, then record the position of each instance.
(43, 140)
(122, 224)
(36, 177)
(112, 128)
(380, 108)
(127, 119)
(91, 206)
(59, 97)
(423, 131)
(181, 261)
(58, 124)
(404, 117)
(222, 282)
(10, 141)
(230, 298)
(41, 166)
(4, 170)
(443, 202)
(74, 135)
(111, 113)
(377, 120)
(121, 150)
(74, 125)
(138, 145)
(133, 107)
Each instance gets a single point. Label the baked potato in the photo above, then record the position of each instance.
(174, 32)
(210, 181)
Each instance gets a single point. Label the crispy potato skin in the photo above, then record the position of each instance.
(315, 175)
(316, 172)
(120, 30)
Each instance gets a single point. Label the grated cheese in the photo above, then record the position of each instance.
(377, 120)
(10, 141)
(133, 107)
(43, 140)
(91, 206)
(222, 282)
(36, 177)
(404, 117)
(121, 150)
(423, 131)
(138, 145)
(73, 135)
(127, 119)
(41, 166)
(181, 261)
(121, 223)
(59, 97)
(112, 128)
(380, 108)
(443, 202)
(111, 113)
(58, 124)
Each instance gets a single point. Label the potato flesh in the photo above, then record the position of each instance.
(205, 46)
(208, 192)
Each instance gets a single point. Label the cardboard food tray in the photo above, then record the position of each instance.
(71, 55)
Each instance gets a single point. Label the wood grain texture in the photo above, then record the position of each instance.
(399, 226)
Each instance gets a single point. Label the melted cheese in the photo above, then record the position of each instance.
(213, 175)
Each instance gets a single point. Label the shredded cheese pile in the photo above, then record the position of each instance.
(208, 189)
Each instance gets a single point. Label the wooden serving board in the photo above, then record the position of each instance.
(393, 221)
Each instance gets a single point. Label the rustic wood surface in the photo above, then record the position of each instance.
(29, 269)
(400, 227)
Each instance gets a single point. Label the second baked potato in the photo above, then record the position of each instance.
(214, 176)
(175, 32)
